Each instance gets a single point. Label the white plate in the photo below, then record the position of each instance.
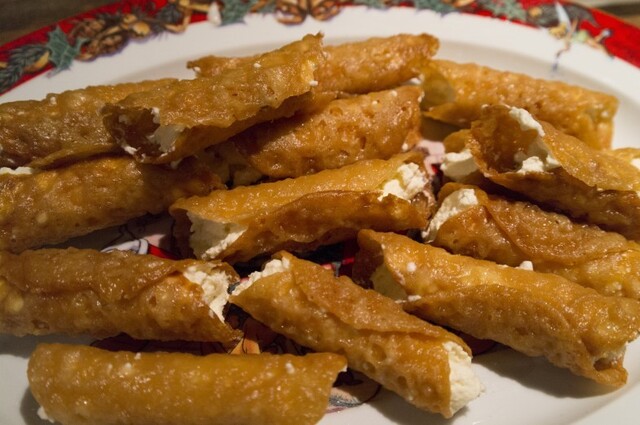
(519, 389)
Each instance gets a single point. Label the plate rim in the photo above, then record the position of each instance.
(40, 51)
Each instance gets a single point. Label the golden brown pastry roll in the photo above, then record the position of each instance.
(471, 222)
(375, 125)
(177, 120)
(515, 150)
(456, 93)
(61, 128)
(78, 385)
(538, 314)
(73, 291)
(370, 65)
(52, 206)
(305, 212)
(425, 364)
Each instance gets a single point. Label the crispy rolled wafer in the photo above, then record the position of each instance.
(531, 157)
(73, 291)
(179, 119)
(305, 212)
(61, 128)
(375, 125)
(538, 314)
(456, 93)
(79, 385)
(54, 205)
(428, 366)
(471, 222)
(374, 64)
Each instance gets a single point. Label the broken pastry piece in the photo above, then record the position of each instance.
(306, 212)
(79, 385)
(177, 120)
(456, 93)
(87, 292)
(375, 125)
(52, 206)
(538, 314)
(375, 64)
(425, 364)
(515, 150)
(61, 128)
(471, 222)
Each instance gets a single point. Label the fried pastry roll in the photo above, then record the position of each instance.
(80, 385)
(513, 149)
(359, 67)
(306, 212)
(182, 118)
(375, 125)
(52, 206)
(87, 292)
(538, 314)
(471, 222)
(425, 364)
(61, 128)
(456, 93)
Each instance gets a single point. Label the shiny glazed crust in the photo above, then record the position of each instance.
(375, 125)
(589, 185)
(55, 205)
(87, 292)
(456, 93)
(308, 304)
(305, 212)
(63, 127)
(204, 111)
(79, 385)
(510, 232)
(370, 65)
(538, 314)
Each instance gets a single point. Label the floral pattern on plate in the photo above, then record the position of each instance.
(109, 29)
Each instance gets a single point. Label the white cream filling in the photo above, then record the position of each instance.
(452, 205)
(165, 136)
(130, 150)
(636, 163)
(19, 171)
(409, 181)
(458, 165)
(384, 283)
(526, 120)
(42, 414)
(209, 238)
(526, 265)
(465, 385)
(272, 267)
(537, 158)
(215, 285)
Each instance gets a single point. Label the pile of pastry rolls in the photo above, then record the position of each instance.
(262, 160)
